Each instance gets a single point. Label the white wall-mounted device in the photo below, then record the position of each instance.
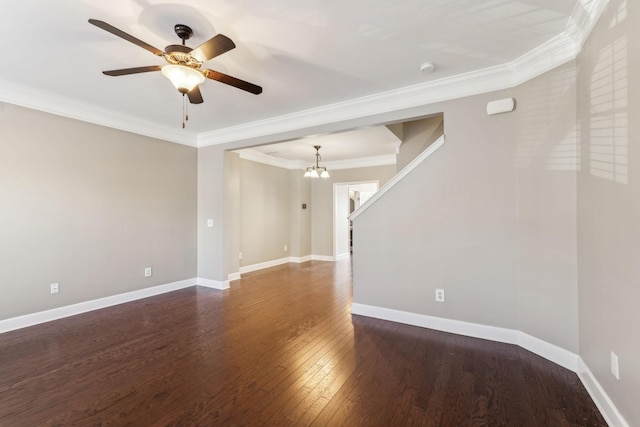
(506, 105)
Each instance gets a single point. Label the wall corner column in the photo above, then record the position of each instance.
(212, 263)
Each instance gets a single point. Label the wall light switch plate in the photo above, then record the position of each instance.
(209, 223)
(615, 369)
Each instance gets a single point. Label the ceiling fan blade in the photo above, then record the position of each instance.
(136, 70)
(216, 45)
(232, 81)
(128, 37)
(195, 96)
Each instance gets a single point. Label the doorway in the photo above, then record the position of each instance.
(347, 197)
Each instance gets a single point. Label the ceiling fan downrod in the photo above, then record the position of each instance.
(184, 32)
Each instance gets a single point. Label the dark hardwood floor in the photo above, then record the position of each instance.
(278, 348)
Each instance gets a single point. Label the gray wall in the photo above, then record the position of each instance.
(214, 260)
(265, 212)
(89, 207)
(300, 219)
(322, 202)
(490, 217)
(233, 210)
(609, 203)
(450, 223)
(417, 135)
(271, 213)
(546, 160)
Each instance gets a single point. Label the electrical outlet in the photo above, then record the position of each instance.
(240, 255)
(209, 223)
(55, 287)
(286, 248)
(615, 371)
(440, 295)
(147, 272)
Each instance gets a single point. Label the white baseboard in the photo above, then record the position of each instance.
(261, 265)
(549, 351)
(322, 258)
(19, 322)
(535, 345)
(267, 264)
(275, 262)
(446, 325)
(344, 255)
(213, 284)
(542, 348)
(608, 410)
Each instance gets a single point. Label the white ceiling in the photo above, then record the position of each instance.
(308, 55)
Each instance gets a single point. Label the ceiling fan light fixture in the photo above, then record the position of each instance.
(183, 78)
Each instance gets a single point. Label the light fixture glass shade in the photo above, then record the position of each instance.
(183, 78)
(316, 171)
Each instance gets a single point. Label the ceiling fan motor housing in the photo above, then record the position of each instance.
(181, 55)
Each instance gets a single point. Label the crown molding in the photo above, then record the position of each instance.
(583, 18)
(363, 162)
(260, 157)
(472, 83)
(562, 48)
(557, 51)
(35, 99)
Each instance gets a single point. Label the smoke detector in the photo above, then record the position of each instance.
(428, 67)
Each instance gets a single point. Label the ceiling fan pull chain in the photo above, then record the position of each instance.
(183, 113)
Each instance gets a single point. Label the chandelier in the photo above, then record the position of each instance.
(316, 171)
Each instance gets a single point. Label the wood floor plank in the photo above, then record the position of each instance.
(311, 390)
(279, 347)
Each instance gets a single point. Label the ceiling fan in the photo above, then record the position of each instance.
(184, 64)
